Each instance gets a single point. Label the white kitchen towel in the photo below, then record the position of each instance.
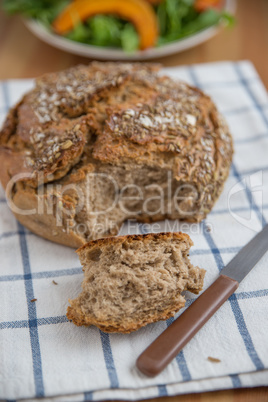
(44, 355)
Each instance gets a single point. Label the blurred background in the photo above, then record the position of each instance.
(23, 55)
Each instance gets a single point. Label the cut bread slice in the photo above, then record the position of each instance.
(134, 280)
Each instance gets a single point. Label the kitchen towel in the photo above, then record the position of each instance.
(44, 355)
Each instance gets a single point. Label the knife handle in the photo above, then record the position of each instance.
(160, 353)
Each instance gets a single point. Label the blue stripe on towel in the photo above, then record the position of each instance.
(33, 325)
(245, 84)
(162, 390)
(63, 318)
(109, 360)
(235, 381)
(242, 327)
(88, 396)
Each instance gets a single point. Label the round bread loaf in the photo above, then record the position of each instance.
(95, 145)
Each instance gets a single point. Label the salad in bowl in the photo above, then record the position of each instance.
(126, 27)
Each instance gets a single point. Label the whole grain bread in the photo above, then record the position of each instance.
(95, 145)
(131, 281)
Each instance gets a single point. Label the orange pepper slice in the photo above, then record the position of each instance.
(202, 5)
(139, 12)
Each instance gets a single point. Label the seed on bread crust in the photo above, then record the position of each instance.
(67, 144)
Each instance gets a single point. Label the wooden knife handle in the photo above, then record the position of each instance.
(160, 353)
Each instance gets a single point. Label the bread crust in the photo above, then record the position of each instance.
(113, 240)
(117, 119)
(79, 318)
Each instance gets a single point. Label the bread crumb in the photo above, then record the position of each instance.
(33, 300)
(208, 228)
(55, 283)
(214, 359)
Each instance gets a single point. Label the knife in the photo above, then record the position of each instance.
(160, 353)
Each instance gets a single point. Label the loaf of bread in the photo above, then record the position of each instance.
(131, 281)
(93, 146)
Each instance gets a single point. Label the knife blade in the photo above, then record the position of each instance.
(248, 256)
(168, 344)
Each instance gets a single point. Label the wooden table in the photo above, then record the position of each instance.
(23, 56)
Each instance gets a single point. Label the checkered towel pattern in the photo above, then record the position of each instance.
(43, 355)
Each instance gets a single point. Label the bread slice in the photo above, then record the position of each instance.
(134, 280)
